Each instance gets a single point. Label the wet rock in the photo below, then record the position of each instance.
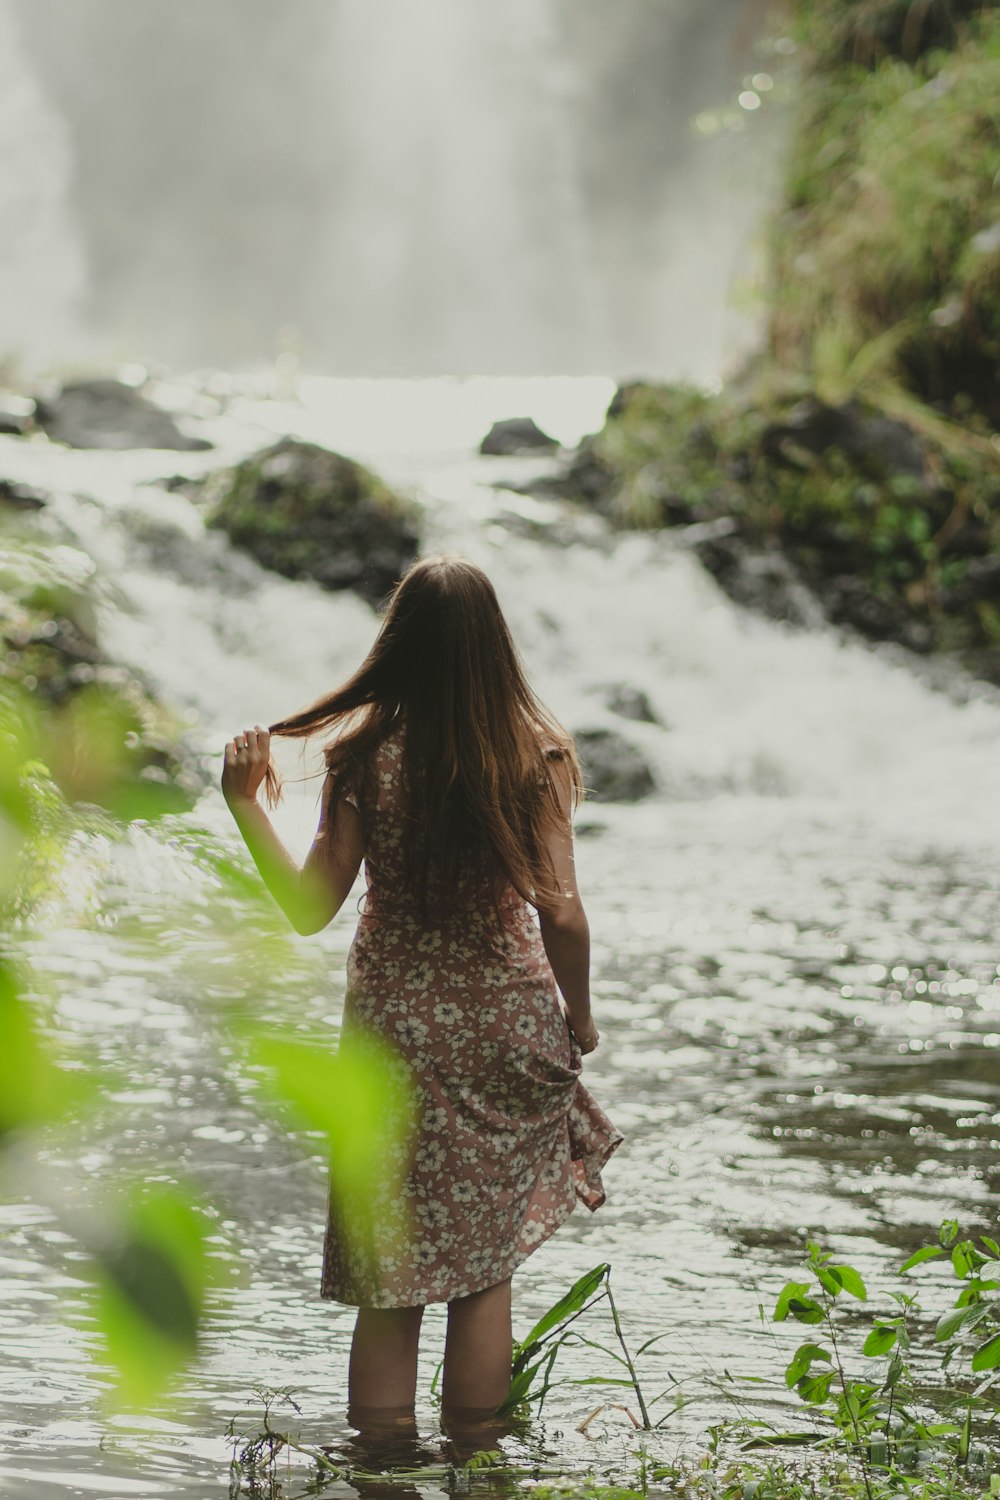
(875, 444)
(110, 414)
(17, 414)
(979, 582)
(630, 703)
(105, 737)
(516, 435)
(613, 769)
(20, 496)
(307, 512)
(851, 601)
(759, 578)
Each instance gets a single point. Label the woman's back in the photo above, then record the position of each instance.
(479, 898)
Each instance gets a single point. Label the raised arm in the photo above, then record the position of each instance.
(312, 895)
(565, 930)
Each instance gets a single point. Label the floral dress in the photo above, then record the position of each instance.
(505, 1138)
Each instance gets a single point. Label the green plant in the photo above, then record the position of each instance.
(535, 1355)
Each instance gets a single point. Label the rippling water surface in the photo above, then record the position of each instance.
(797, 973)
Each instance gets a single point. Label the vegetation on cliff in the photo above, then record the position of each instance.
(862, 440)
(60, 694)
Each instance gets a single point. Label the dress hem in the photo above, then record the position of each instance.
(593, 1163)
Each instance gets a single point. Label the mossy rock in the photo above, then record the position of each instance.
(307, 512)
(99, 728)
(892, 525)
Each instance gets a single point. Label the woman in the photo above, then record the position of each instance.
(455, 785)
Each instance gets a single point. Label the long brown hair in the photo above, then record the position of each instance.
(445, 669)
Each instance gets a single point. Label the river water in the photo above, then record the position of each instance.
(797, 973)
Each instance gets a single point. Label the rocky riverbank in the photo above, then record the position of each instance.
(804, 509)
(852, 472)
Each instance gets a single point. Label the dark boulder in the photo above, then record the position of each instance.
(851, 601)
(110, 414)
(307, 512)
(630, 703)
(516, 435)
(613, 769)
(21, 496)
(875, 444)
(757, 576)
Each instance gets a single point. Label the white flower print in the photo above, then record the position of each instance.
(447, 1013)
(526, 1025)
(462, 1192)
(532, 1232)
(433, 1214)
(411, 1031)
(431, 1156)
(435, 1119)
(420, 977)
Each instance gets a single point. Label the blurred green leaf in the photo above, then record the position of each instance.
(150, 1290)
(34, 1089)
(802, 1361)
(361, 1099)
(950, 1322)
(814, 1389)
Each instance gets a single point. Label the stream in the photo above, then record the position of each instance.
(796, 963)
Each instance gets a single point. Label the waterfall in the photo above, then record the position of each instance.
(458, 226)
(42, 269)
(385, 188)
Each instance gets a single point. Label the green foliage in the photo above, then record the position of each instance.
(887, 231)
(307, 512)
(535, 1354)
(361, 1099)
(150, 1281)
(100, 731)
(146, 1256)
(36, 1086)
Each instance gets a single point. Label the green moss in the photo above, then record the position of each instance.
(884, 264)
(307, 512)
(97, 728)
(911, 512)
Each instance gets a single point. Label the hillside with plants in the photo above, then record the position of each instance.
(857, 454)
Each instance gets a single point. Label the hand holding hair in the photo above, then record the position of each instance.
(244, 763)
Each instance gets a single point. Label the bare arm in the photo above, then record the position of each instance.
(309, 896)
(565, 930)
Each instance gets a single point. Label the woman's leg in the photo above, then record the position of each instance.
(477, 1354)
(382, 1383)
